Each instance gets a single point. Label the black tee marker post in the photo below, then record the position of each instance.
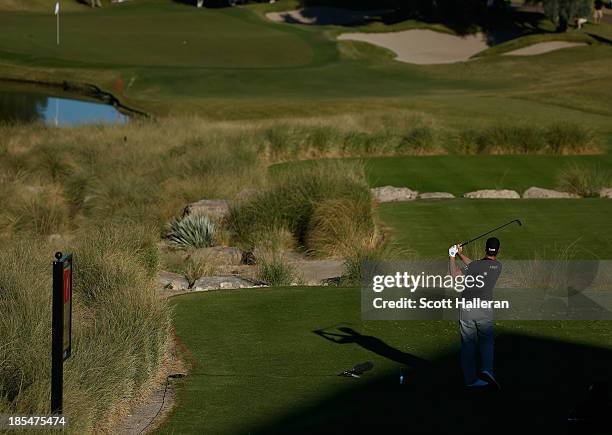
(61, 326)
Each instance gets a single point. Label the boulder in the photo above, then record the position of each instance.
(538, 192)
(315, 272)
(492, 194)
(393, 194)
(436, 195)
(207, 283)
(172, 281)
(214, 208)
(606, 192)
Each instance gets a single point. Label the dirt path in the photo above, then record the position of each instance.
(150, 410)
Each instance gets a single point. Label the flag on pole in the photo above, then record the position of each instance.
(57, 8)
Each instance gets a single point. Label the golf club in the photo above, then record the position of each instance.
(518, 221)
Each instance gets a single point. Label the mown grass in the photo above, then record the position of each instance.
(550, 226)
(459, 174)
(269, 344)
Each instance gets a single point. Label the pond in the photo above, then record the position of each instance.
(29, 104)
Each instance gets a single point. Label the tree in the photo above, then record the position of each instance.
(563, 12)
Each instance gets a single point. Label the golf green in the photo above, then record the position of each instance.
(260, 363)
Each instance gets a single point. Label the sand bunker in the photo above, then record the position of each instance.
(324, 16)
(543, 47)
(424, 47)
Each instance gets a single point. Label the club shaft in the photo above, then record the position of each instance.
(489, 232)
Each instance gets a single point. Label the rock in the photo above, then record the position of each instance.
(436, 195)
(606, 192)
(393, 194)
(215, 208)
(172, 281)
(492, 194)
(224, 282)
(220, 255)
(314, 272)
(538, 192)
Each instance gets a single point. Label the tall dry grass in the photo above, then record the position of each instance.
(292, 198)
(584, 180)
(120, 329)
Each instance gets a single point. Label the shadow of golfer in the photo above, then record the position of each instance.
(373, 344)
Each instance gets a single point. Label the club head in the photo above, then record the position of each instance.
(518, 221)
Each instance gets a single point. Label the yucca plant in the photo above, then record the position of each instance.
(193, 231)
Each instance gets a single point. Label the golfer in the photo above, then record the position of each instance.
(476, 324)
(598, 11)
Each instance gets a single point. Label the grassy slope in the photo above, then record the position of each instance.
(259, 368)
(261, 69)
(461, 174)
(429, 227)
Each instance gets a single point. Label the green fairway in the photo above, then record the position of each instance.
(459, 174)
(429, 227)
(259, 367)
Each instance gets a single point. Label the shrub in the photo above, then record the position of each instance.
(559, 138)
(417, 140)
(273, 241)
(195, 230)
(379, 251)
(569, 138)
(584, 180)
(276, 272)
(340, 226)
(321, 139)
(292, 196)
(40, 214)
(500, 139)
(281, 141)
(196, 265)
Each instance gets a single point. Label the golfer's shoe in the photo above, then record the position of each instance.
(488, 377)
(349, 374)
(478, 384)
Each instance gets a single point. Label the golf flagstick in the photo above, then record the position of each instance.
(57, 12)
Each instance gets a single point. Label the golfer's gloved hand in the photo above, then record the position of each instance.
(452, 251)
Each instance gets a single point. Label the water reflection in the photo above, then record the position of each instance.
(26, 106)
